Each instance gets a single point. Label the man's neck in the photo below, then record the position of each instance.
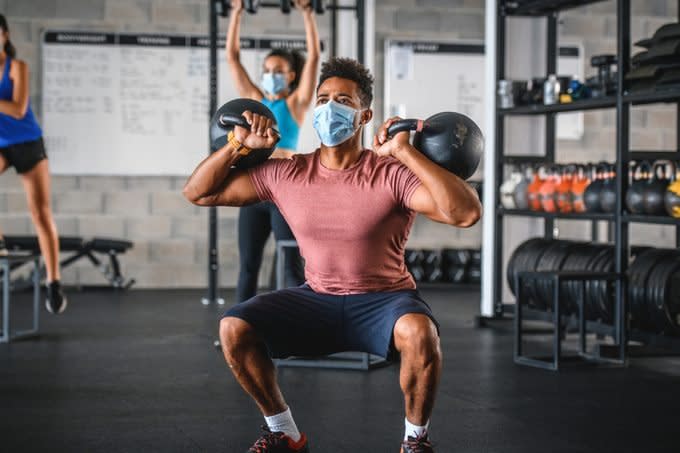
(341, 157)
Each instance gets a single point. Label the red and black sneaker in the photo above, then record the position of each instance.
(419, 444)
(278, 442)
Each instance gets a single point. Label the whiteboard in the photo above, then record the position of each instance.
(425, 77)
(137, 104)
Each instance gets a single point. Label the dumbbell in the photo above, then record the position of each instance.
(432, 265)
(414, 263)
(451, 140)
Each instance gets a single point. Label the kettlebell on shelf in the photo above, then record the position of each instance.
(521, 196)
(534, 187)
(608, 190)
(563, 198)
(507, 189)
(580, 183)
(638, 175)
(655, 189)
(591, 196)
(547, 190)
(672, 196)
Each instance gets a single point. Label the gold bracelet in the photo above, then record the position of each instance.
(238, 146)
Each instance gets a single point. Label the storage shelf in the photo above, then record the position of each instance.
(541, 7)
(653, 97)
(524, 159)
(654, 155)
(665, 220)
(557, 215)
(576, 106)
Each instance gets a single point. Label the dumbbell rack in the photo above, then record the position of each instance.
(620, 220)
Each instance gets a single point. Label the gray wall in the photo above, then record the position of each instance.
(170, 235)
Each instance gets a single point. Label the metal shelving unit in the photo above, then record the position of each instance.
(622, 103)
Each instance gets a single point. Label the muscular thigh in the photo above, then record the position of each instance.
(294, 321)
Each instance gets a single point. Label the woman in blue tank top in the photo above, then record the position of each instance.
(21, 147)
(287, 88)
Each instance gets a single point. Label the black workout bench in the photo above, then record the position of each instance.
(79, 248)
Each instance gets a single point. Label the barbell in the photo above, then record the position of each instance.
(286, 6)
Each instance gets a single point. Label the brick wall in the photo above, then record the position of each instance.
(169, 234)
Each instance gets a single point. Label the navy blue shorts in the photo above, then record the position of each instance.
(301, 322)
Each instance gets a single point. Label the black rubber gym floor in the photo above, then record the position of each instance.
(137, 372)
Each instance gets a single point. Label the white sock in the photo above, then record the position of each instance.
(284, 423)
(414, 430)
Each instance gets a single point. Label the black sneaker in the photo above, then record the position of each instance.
(420, 444)
(278, 442)
(56, 300)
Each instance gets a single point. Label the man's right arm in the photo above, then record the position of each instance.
(215, 183)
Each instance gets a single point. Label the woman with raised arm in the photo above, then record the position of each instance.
(287, 88)
(21, 147)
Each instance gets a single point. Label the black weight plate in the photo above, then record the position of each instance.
(672, 297)
(550, 261)
(529, 263)
(573, 262)
(664, 305)
(580, 263)
(518, 261)
(637, 275)
(607, 288)
(595, 298)
(592, 303)
(657, 285)
(638, 280)
(656, 320)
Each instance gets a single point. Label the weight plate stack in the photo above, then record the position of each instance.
(661, 307)
(524, 259)
(550, 261)
(432, 266)
(638, 277)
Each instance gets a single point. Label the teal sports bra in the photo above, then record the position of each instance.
(289, 129)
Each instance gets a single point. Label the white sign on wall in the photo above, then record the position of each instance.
(137, 104)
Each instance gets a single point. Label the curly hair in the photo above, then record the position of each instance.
(347, 68)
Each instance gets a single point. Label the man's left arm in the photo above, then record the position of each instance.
(443, 196)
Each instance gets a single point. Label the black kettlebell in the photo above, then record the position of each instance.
(672, 196)
(591, 196)
(608, 190)
(655, 189)
(638, 174)
(451, 140)
(230, 115)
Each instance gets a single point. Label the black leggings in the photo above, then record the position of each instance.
(255, 222)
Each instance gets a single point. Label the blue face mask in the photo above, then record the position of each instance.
(334, 123)
(274, 82)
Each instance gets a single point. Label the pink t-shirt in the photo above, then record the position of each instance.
(351, 225)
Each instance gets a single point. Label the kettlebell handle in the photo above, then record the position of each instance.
(227, 120)
(406, 125)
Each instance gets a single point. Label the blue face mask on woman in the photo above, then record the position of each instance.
(274, 82)
(334, 123)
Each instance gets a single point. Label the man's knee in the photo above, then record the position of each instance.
(416, 335)
(235, 334)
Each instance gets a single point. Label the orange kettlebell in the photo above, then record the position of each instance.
(579, 184)
(532, 190)
(563, 190)
(547, 190)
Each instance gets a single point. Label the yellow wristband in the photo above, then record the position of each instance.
(238, 146)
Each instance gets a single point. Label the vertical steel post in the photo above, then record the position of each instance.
(213, 259)
(550, 118)
(497, 293)
(622, 149)
(361, 31)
